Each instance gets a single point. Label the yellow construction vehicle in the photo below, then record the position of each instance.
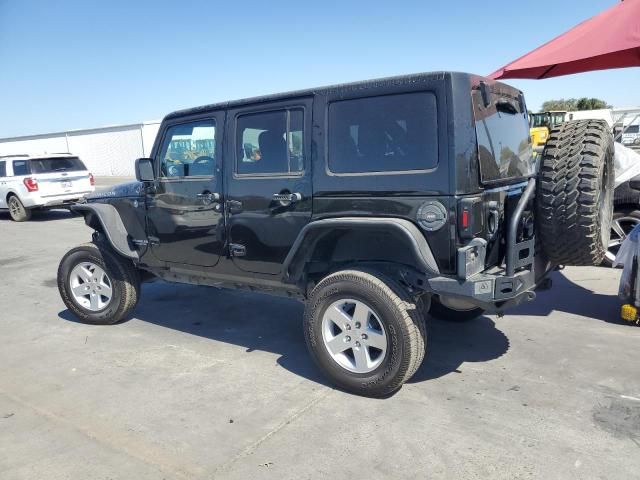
(541, 123)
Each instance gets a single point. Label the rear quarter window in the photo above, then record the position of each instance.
(20, 167)
(384, 134)
(3, 169)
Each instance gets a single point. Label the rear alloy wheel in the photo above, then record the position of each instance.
(364, 331)
(17, 210)
(623, 222)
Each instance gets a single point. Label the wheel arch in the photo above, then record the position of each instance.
(105, 219)
(350, 240)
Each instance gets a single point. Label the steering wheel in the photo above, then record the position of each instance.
(203, 159)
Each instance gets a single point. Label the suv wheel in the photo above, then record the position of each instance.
(16, 209)
(623, 222)
(97, 285)
(364, 332)
(454, 310)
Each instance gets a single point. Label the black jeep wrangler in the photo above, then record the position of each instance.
(376, 203)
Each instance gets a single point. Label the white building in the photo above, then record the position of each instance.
(105, 151)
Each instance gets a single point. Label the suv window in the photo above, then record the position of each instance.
(391, 133)
(270, 143)
(632, 129)
(3, 169)
(60, 164)
(188, 150)
(20, 167)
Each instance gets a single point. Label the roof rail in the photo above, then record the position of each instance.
(15, 155)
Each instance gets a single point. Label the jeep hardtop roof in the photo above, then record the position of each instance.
(377, 83)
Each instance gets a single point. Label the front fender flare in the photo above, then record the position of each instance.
(307, 239)
(105, 218)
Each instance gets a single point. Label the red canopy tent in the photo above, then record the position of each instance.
(608, 40)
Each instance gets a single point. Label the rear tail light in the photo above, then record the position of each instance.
(92, 180)
(31, 184)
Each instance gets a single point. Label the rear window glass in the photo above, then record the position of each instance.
(390, 133)
(61, 164)
(504, 146)
(632, 129)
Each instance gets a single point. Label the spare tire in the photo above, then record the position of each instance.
(574, 199)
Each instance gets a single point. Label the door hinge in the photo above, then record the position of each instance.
(237, 250)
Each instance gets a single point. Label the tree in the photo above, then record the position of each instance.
(573, 104)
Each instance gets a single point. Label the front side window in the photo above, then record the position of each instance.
(391, 133)
(270, 143)
(188, 150)
(20, 167)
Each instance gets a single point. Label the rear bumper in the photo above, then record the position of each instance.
(53, 201)
(491, 291)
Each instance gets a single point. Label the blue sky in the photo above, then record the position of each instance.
(79, 64)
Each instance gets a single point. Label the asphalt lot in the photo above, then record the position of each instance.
(209, 384)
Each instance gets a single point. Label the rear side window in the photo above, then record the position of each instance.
(60, 164)
(270, 143)
(20, 167)
(392, 133)
(3, 169)
(632, 129)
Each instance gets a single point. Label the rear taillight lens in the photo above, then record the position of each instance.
(92, 180)
(31, 184)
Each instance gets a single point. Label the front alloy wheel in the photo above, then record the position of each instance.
(90, 286)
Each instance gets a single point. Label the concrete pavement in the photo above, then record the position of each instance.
(208, 384)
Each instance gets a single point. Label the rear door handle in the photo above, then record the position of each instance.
(287, 197)
(208, 197)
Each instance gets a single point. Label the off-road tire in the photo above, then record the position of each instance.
(574, 199)
(403, 323)
(125, 283)
(441, 312)
(17, 210)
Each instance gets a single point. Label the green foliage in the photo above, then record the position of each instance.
(573, 104)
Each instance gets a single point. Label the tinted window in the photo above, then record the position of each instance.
(270, 143)
(3, 169)
(61, 164)
(189, 150)
(632, 129)
(20, 167)
(504, 146)
(383, 134)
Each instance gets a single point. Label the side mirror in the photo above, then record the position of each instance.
(634, 183)
(144, 170)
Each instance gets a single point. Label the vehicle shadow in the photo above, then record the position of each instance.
(273, 324)
(42, 215)
(570, 297)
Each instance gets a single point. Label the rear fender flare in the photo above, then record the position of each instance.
(408, 233)
(106, 219)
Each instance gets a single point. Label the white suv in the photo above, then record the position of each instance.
(47, 181)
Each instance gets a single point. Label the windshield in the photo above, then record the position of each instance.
(539, 120)
(57, 164)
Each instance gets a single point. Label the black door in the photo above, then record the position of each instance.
(268, 188)
(185, 211)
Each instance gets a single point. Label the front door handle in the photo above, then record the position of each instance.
(286, 198)
(208, 198)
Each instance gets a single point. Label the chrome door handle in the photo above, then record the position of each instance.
(287, 197)
(208, 197)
